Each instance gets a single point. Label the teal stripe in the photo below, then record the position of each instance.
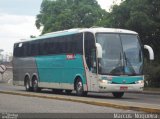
(58, 69)
(126, 79)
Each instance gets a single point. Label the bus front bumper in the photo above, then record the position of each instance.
(121, 87)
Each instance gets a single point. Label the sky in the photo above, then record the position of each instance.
(17, 20)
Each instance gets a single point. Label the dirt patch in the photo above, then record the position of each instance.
(7, 76)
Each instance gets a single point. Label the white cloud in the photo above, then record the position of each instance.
(106, 4)
(13, 28)
(13, 19)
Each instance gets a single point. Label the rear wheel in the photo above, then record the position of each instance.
(79, 88)
(118, 94)
(27, 84)
(35, 85)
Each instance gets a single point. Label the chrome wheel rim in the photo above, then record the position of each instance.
(27, 85)
(35, 84)
(79, 86)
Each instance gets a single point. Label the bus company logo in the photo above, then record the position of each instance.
(124, 81)
(70, 56)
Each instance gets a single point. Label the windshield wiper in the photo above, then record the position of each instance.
(128, 68)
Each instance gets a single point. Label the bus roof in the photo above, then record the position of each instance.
(109, 30)
(93, 30)
(80, 30)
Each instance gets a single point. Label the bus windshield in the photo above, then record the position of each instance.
(121, 54)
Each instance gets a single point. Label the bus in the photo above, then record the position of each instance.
(83, 60)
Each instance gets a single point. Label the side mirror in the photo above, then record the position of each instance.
(99, 50)
(150, 50)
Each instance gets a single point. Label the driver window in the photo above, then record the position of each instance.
(90, 51)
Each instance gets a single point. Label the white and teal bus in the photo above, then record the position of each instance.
(84, 60)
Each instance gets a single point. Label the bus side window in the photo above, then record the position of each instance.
(34, 50)
(17, 50)
(90, 52)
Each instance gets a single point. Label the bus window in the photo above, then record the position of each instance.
(34, 48)
(90, 52)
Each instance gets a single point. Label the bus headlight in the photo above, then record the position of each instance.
(105, 81)
(139, 82)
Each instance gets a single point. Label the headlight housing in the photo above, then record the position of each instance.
(139, 82)
(105, 81)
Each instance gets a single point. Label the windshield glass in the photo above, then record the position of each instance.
(121, 54)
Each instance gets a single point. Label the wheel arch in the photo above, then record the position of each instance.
(78, 76)
(34, 75)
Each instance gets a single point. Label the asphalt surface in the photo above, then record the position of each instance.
(146, 101)
(128, 97)
(138, 102)
(22, 104)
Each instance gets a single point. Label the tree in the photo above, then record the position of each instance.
(65, 14)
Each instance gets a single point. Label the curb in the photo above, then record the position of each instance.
(97, 103)
(148, 92)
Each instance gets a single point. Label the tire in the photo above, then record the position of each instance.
(27, 84)
(118, 94)
(35, 85)
(79, 88)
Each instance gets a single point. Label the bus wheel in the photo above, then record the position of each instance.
(118, 94)
(79, 88)
(35, 85)
(27, 84)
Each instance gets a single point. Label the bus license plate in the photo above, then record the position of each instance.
(123, 88)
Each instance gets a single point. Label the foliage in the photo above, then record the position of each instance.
(65, 14)
(139, 15)
(152, 70)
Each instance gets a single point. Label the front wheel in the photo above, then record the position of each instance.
(118, 94)
(79, 88)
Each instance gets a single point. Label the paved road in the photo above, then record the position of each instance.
(22, 104)
(128, 97)
(132, 97)
(41, 108)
